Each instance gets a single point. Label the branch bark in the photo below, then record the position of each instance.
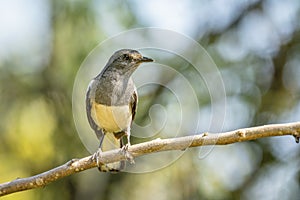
(157, 145)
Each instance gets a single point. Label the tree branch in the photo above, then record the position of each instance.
(157, 145)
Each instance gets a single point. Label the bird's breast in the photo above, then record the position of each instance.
(112, 92)
(111, 118)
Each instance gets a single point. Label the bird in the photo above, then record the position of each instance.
(111, 104)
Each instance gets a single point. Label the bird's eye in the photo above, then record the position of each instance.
(126, 57)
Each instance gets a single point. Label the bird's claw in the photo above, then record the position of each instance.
(97, 156)
(127, 154)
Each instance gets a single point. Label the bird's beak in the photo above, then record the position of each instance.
(145, 59)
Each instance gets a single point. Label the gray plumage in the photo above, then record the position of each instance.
(111, 101)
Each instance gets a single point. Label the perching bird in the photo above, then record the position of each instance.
(111, 103)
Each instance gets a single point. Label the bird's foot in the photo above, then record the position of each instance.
(127, 154)
(97, 157)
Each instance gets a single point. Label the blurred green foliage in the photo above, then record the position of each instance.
(37, 131)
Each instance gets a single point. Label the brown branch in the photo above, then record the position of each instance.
(157, 145)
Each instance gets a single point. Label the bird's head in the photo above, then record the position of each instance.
(127, 60)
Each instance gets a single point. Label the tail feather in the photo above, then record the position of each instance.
(110, 142)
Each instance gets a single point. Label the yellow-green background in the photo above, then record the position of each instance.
(254, 43)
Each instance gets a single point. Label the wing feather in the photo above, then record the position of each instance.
(88, 102)
(133, 103)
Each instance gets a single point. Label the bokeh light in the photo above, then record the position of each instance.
(255, 45)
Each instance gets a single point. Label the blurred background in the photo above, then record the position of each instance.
(255, 44)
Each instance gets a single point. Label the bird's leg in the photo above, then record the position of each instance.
(127, 154)
(97, 155)
(127, 133)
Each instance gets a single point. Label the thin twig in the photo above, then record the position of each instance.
(157, 145)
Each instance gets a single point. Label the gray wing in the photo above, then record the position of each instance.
(88, 104)
(133, 104)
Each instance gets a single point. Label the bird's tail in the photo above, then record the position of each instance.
(111, 142)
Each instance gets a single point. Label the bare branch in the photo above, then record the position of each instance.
(157, 145)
